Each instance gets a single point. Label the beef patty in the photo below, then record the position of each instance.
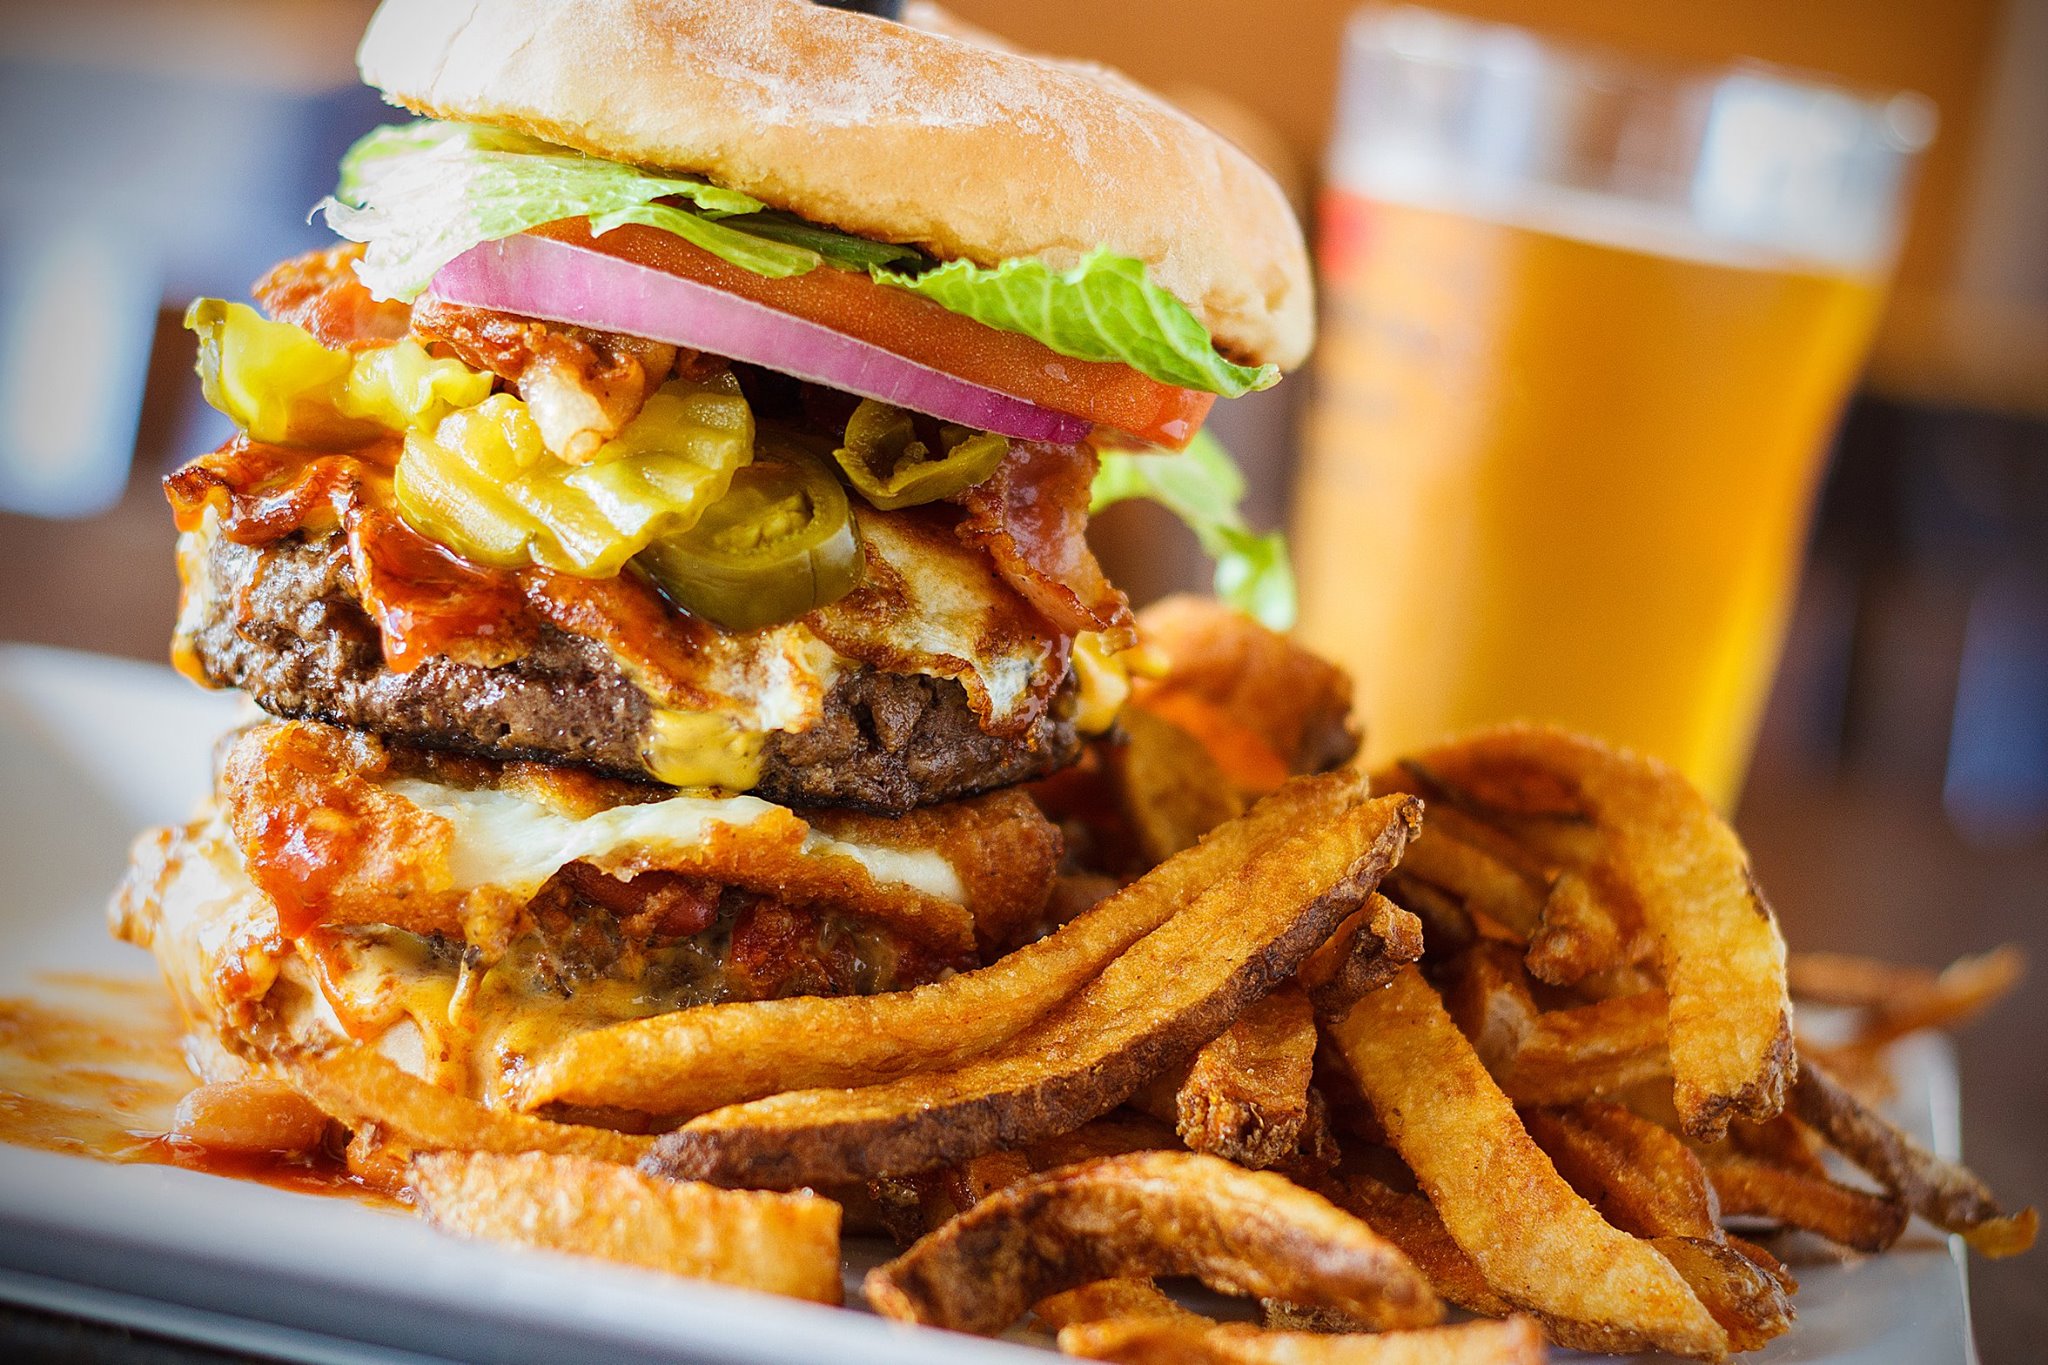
(283, 623)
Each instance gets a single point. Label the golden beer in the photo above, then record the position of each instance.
(1587, 328)
(1559, 479)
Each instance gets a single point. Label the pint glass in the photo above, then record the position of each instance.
(1588, 327)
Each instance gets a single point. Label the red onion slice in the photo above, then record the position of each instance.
(559, 282)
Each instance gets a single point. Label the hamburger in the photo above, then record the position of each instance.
(655, 531)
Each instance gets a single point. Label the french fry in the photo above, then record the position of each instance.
(1641, 1178)
(1411, 1223)
(1480, 881)
(1557, 1056)
(1644, 1180)
(776, 1243)
(1246, 1097)
(1172, 791)
(1539, 1244)
(1945, 1194)
(1171, 992)
(1361, 956)
(1149, 1213)
(1902, 1000)
(694, 1060)
(1162, 1341)
(1447, 924)
(1642, 838)
(1125, 1297)
(359, 1088)
(1844, 1215)
(1750, 1303)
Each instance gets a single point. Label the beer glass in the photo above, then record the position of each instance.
(1588, 327)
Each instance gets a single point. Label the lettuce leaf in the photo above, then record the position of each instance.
(1105, 308)
(1204, 488)
(421, 194)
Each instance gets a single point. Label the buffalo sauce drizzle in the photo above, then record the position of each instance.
(94, 1067)
(425, 599)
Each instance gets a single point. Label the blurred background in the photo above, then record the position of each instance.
(1898, 799)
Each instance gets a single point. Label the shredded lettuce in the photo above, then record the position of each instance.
(1203, 486)
(421, 194)
(1105, 308)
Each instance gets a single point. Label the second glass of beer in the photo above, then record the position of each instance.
(1588, 327)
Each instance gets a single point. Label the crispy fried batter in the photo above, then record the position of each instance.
(1174, 990)
(1155, 1213)
(775, 1243)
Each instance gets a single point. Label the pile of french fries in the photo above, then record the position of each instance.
(1507, 1027)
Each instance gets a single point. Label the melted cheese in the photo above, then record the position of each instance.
(504, 840)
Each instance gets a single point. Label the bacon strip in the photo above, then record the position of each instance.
(320, 292)
(1031, 517)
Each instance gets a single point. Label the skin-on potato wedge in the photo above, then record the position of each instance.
(1149, 1213)
(1750, 1303)
(1945, 1194)
(1643, 838)
(1539, 1243)
(357, 1088)
(1362, 955)
(1411, 1223)
(1556, 1056)
(776, 1243)
(695, 1060)
(1171, 992)
(1124, 1297)
(1171, 790)
(1159, 1341)
(1245, 1098)
(1845, 1216)
(1644, 1180)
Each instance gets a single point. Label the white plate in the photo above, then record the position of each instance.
(93, 749)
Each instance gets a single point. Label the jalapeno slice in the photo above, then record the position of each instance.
(893, 466)
(780, 543)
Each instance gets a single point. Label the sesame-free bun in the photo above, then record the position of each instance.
(912, 132)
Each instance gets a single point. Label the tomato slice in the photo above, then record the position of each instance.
(1107, 393)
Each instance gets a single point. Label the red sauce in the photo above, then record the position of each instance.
(96, 1069)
